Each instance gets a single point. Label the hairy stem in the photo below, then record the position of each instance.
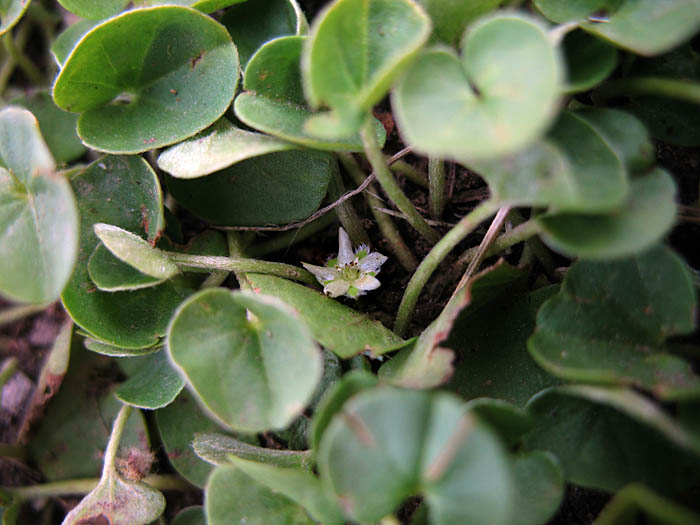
(463, 228)
(391, 187)
(114, 439)
(436, 178)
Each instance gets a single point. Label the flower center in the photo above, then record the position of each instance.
(349, 272)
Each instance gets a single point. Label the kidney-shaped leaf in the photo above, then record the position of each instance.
(266, 363)
(647, 27)
(38, 215)
(496, 99)
(136, 94)
(609, 322)
(355, 51)
(387, 444)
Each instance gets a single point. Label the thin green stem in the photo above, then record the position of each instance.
(411, 173)
(665, 87)
(346, 213)
(8, 66)
(214, 279)
(238, 264)
(235, 249)
(437, 194)
(15, 313)
(7, 370)
(520, 233)
(71, 487)
(389, 231)
(287, 239)
(27, 66)
(391, 187)
(463, 228)
(114, 439)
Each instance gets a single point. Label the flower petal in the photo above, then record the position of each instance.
(336, 288)
(372, 262)
(345, 255)
(322, 273)
(366, 282)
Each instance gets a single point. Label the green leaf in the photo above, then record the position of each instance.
(511, 422)
(11, 11)
(136, 94)
(155, 385)
(351, 384)
(205, 6)
(645, 217)
(115, 351)
(75, 428)
(135, 251)
(191, 516)
(94, 9)
(451, 17)
(57, 126)
(589, 61)
(273, 189)
(177, 425)
(65, 42)
(267, 364)
(495, 100)
(123, 191)
(609, 322)
(298, 485)
(233, 497)
(218, 449)
(113, 275)
(646, 27)
(251, 24)
(38, 215)
(635, 503)
(489, 339)
(217, 148)
(540, 487)
(337, 327)
(274, 101)
(387, 444)
(355, 51)
(606, 438)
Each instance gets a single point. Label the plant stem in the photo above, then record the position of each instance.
(28, 67)
(463, 228)
(390, 186)
(665, 87)
(239, 264)
(436, 178)
(520, 233)
(8, 66)
(287, 239)
(346, 213)
(411, 173)
(7, 370)
(15, 313)
(114, 439)
(386, 225)
(71, 487)
(235, 249)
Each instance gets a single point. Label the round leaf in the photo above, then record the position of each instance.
(38, 215)
(10, 13)
(589, 61)
(190, 516)
(155, 383)
(541, 484)
(496, 99)
(65, 42)
(272, 189)
(266, 363)
(94, 9)
(451, 17)
(136, 94)
(387, 444)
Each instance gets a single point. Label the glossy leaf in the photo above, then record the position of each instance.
(135, 251)
(494, 100)
(541, 485)
(388, 444)
(205, 6)
(218, 449)
(251, 24)
(136, 94)
(177, 425)
(609, 322)
(583, 426)
(75, 428)
(57, 126)
(253, 502)
(274, 101)
(94, 9)
(355, 51)
(10, 13)
(646, 27)
(272, 189)
(636, 503)
(217, 148)
(38, 215)
(65, 42)
(451, 17)
(589, 61)
(267, 364)
(155, 384)
(337, 327)
(645, 217)
(125, 192)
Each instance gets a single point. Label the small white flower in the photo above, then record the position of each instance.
(351, 273)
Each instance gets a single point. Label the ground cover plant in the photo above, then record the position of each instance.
(361, 261)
